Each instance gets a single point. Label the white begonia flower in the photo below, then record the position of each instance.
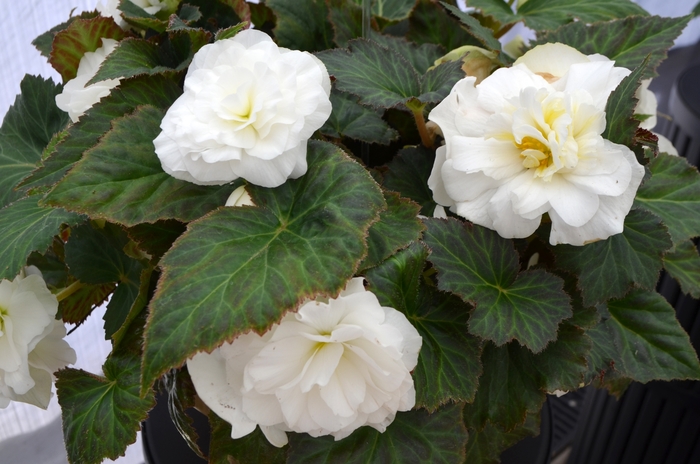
(76, 98)
(647, 106)
(239, 197)
(31, 340)
(247, 111)
(330, 368)
(527, 141)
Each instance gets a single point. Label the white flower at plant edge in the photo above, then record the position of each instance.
(527, 141)
(335, 365)
(647, 106)
(32, 347)
(239, 197)
(247, 111)
(111, 8)
(76, 98)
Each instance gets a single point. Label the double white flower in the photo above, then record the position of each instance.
(527, 141)
(248, 109)
(332, 367)
(31, 340)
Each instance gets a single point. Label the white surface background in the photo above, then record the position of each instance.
(29, 434)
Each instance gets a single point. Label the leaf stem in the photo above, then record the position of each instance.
(69, 290)
(420, 124)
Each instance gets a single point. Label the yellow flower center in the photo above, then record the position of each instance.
(535, 154)
(3, 312)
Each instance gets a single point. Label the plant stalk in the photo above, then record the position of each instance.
(69, 290)
(422, 129)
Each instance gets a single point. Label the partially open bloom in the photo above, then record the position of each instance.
(31, 340)
(330, 368)
(248, 109)
(527, 141)
(76, 98)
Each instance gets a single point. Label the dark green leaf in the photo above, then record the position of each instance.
(408, 174)
(253, 448)
(684, 266)
(673, 194)
(481, 33)
(619, 111)
(392, 10)
(485, 446)
(134, 57)
(482, 268)
(121, 179)
(349, 119)
(302, 24)
(190, 13)
(609, 268)
(138, 17)
(52, 268)
(509, 388)
(78, 306)
(27, 227)
(438, 82)
(397, 227)
(160, 91)
(421, 57)
(44, 42)
(379, 76)
(127, 301)
(563, 363)
(431, 24)
(241, 268)
(641, 335)
(28, 127)
(81, 36)
(383, 78)
(414, 437)
(346, 19)
(101, 415)
(627, 41)
(155, 239)
(550, 14)
(696, 10)
(448, 366)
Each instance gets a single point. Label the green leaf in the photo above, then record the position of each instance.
(381, 77)
(550, 14)
(392, 10)
(139, 18)
(642, 336)
(448, 365)
(485, 446)
(609, 268)
(44, 42)
(619, 111)
(408, 174)
(253, 448)
(181, 401)
(241, 268)
(230, 31)
(563, 363)
(51, 265)
(302, 24)
(241, 7)
(684, 266)
(414, 436)
(509, 388)
(27, 227)
(397, 227)
(346, 19)
(101, 415)
(160, 91)
(134, 57)
(349, 119)
(81, 36)
(421, 57)
(482, 268)
(481, 33)
(626, 41)
(673, 194)
(78, 306)
(157, 238)
(431, 24)
(121, 179)
(28, 127)
(696, 10)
